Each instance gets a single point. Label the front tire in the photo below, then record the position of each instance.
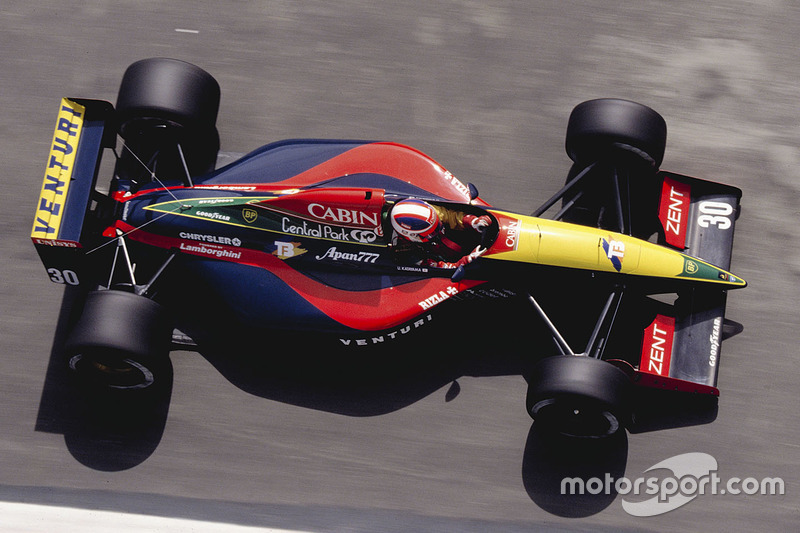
(611, 128)
(578, 396)
(626, 141)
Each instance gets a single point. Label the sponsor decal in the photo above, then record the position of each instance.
(317, 231)
(215, 201)
(216, 239)
(227, 210)
(657, 346)
(341, 215)
(249, 215)
(57, 242)
(674, 211)
(511, 234)
(227, 187)
(58, 174)
(213, 215)
(615, 251)
(438, 298)
(306, 229)
(485, 294)
(391, 335)
(286, 250)
(357, 257)
(365, 236)
(455, 182)
(508, 235)
(211, 250)
(714, 340)
(698, 269)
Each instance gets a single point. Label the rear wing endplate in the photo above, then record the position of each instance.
(80, 135)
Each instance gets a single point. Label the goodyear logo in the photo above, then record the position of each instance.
(50, 208)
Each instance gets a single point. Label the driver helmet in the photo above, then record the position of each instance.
(415, 220)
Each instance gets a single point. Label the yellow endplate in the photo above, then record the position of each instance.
(57, 177)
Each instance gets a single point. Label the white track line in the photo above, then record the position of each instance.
(30, 518)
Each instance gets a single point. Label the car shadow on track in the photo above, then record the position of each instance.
(372, 376)
(109, 433)
(558, 470)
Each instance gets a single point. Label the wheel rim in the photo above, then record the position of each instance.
(575, 419)
(114, 373)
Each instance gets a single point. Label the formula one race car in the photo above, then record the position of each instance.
(300, 234)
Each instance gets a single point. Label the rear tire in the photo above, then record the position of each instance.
(578, 396)
(163, 102)
(120, 343)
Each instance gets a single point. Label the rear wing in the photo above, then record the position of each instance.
(681, 347)
(81, 134)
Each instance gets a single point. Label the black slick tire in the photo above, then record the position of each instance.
(165, 101)
(610, 127)
(120, 343)
(578, 396)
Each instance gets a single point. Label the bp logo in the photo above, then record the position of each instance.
(249, 214)
(691, 267)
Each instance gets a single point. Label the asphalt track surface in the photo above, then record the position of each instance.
(429, 435)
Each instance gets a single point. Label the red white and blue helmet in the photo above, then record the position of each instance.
(415, 220)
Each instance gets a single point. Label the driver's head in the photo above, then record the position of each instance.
(415, 220)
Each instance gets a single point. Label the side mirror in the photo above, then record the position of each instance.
(473, 192)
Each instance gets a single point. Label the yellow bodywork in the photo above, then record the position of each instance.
(553, 243)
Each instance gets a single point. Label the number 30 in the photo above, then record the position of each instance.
(715, 214)
(63, 276)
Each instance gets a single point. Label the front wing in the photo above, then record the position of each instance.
(681, 347)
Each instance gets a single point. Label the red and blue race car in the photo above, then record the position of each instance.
(299, 235)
